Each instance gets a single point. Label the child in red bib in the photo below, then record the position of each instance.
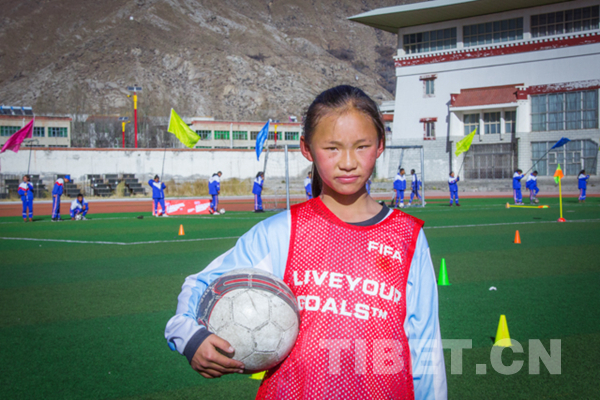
(361, 273)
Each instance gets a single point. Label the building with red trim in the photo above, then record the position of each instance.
(522, 73)
(48, 131)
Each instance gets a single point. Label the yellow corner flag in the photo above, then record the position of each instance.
(183, 132)
(464, 144)
(558, 174)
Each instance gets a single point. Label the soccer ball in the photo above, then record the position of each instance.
(78, 217)
(256, 313)
(222, 211)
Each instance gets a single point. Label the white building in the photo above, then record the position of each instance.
(524, 73)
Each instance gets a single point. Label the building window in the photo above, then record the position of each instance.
(491, 122)
(510, 121)
(429, 87)
(573, 157)
(561, 111)
(57, 132)
(490, 161)
(471, 122)
(254, 135)
(292, 136)
(204, 135)
(221, 135)
(557, 23)
(8, 130)
(38, 131)
(272, 135)
(493, 32)
(429, 130)
(240, 135)
(430, 41)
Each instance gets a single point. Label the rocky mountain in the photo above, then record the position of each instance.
(231, 59)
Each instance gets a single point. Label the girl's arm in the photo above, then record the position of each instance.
(264, 247)
(422, 326)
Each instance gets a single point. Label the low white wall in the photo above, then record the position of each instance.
(180, 164)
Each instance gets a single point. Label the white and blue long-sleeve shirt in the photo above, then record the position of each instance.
(158, 189)
(516, 184)
(266, 247)
(452, 183)
(58, 188)
(531, 182)
(257, 187)
(79, 205)
(25, 191)
(308, 185)
(400, 182)
(582, 181)
(214, 185)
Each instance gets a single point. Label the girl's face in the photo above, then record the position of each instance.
(344, 149)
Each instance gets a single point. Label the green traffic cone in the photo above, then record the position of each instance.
(443, 278)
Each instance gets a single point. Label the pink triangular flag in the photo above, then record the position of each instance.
(14, 142)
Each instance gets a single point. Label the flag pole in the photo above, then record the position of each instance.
(561, 219)
(266, 159)
(163, 165)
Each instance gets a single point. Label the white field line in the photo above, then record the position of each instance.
(509, 223)
(237, 237)
(117, 243)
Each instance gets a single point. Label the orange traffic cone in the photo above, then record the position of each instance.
(517, 238)
(181, 232)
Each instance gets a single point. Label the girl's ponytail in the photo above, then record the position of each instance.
(317, 183)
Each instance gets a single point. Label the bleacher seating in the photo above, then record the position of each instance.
(133, 184)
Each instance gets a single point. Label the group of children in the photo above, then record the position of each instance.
(531, 185)
(79, 206)
(400, 187)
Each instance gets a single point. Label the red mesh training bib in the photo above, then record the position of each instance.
(350, 283)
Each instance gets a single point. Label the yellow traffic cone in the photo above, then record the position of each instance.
(502, 336)
(181, 232)
(258, 376)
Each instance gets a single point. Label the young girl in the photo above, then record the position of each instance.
(26, 193)
(452, 183)
(400, 187)
(415, 185)
(257, 191)
(158, 196)
(362, 275)
(214, 189)
(582, 184)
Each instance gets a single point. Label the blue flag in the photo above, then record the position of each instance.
(560, 143)
(260, 139)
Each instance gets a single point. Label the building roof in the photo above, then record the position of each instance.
(485, 96)
(393, 18)
(37, 118)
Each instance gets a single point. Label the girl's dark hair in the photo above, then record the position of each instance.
(412, 171)
(582, 172)
(339, 99)
(259, 174)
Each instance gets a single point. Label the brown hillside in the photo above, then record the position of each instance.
(229, 59)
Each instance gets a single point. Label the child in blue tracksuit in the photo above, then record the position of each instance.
(214, 188)
(57, 192)
(308, 186)
(582, 178)
(158, 195)
(257, 191)
(452, 183)
(531, 184)
(79, 207)
(516, 184)
(400, 187)
(26, 194)
(368, 186)
(415, 186)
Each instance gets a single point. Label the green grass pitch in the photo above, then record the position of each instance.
(83, 320)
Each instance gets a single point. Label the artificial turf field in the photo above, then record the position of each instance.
(83, 317)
